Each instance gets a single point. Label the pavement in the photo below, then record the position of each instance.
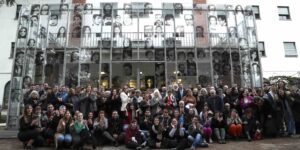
(265, 144)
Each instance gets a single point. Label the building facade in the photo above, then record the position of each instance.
(140, 44)
(276, 24)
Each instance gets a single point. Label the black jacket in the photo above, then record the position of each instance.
(115, 126)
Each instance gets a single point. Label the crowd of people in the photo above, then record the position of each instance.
(173, 116)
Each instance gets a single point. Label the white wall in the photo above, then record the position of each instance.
(8, 28)
(274, 32)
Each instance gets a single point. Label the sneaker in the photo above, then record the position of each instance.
(220, 141)
(116, 143)
(193, 148)
(143, 144)
(203, 145)
(249, 138)
(210, 141)
(28, 147)
(138, 148)
(204, 141)
(223, 142)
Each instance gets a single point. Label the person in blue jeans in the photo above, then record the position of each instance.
(63, 135)
(195, 132)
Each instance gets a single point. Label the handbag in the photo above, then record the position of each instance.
(257, 135)
(85, 133)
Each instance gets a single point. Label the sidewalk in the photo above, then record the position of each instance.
(8, 134)
(265, 144)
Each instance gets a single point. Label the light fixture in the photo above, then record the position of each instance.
(176, 72)
(52, 51)
(102, 72)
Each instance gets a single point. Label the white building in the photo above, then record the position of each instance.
(279, 35)
(276, 31)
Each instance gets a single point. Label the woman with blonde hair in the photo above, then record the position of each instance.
(156, 99)
(234, 123)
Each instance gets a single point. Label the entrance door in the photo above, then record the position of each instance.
(139, 75)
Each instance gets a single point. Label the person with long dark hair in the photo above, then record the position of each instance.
(195, 132)
(29, 133)
(157, 131)
(22, 32)
(63, 136)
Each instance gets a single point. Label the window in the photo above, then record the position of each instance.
(284, 13)
(290, 49)
(5, 95)
(256, 12)
(261, 49)
(18, 11)
(12, 50)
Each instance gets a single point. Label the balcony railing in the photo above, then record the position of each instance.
(109, 40)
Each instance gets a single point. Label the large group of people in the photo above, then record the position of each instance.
(173, 116)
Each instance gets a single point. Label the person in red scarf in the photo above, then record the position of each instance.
(133, 138)
(170, 101)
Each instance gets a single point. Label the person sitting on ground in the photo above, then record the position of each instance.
(218, 125)
(29, 134)
(157, 131)
(176, 135)
(100, 128)
(165, 118)
(145, 122)
(81, 133)
(205, 120)
(195, 132)
(133, 136)
(234, 123)
(250, 124)
(115, 129)
(63, 136)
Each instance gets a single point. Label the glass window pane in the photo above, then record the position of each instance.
(283, 10)
(72, 68)
(39, 67)
(255, 9)
(289, 46)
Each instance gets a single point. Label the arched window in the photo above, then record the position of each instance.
(5, 95)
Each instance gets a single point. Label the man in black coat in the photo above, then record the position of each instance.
(215, 102)
(180, 93)
(115, 128)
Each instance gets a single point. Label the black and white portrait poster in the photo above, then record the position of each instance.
(148, 29)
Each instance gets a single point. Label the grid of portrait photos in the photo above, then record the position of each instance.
(78, 44)
(141, 44)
